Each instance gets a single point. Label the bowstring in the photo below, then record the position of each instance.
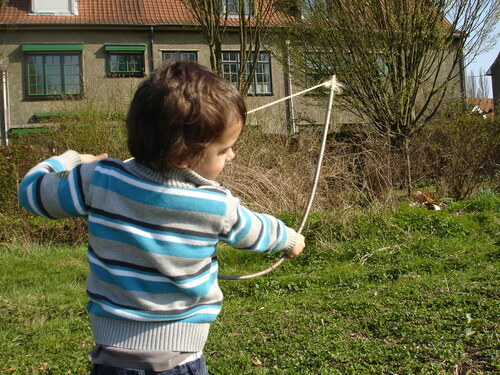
(334, 86)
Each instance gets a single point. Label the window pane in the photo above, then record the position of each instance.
(180, 55)
(53, 74)
(232, 6)
(72, 74)
(35, 75)
(231, 66)
(53, 78)
(127, 64)
(262, 80)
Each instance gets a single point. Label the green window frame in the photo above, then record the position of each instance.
(125, 60)
(262, 80)
(53, 70)
(180, 55)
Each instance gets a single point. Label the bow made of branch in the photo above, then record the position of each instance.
(334, 87)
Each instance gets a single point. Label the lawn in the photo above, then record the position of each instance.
(409, 291)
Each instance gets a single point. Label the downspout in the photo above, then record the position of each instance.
(151, 50)
(294, 129)
(5, 107)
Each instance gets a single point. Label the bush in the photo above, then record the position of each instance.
(272, 173)
(462, 153)
(28, 150)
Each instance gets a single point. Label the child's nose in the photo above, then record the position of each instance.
(230, 155)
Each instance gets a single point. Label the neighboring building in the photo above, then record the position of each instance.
(481, 106)
(58, 55)
(494, 72)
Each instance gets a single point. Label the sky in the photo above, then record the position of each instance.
(485, 60)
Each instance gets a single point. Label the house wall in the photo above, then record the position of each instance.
(109, 93)
(114, 94)
(495, 84)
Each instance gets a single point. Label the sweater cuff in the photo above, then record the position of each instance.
(70, 159)
(291, 236)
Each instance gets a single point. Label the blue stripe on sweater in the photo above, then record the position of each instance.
(76, 176)
(95, 308)
(158, 246)
(24, 195)
(56, 165)
(165, 199)
(240, 231)
(135, 284)
(160, 284)
(143, 225)
(65, 198)
(281, 236)
(262, 243)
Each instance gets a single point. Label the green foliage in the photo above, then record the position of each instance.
(463, 152)
(92, 138)
(408, 291)
(437, 223)
(28, 150)
(484, 200)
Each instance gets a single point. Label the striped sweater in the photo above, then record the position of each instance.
(152, 282)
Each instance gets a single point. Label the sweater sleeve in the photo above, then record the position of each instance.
(55, 188)
(248, 230)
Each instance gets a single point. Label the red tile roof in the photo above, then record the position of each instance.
(101, 12)
(485, 104)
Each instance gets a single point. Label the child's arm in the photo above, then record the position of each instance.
(256, 232)
(54, 188)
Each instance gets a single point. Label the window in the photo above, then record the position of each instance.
(55, 7)
(311, 7)
(53, 70)
(125, 60)
(179, 55)
(318, 69)
(231, 7)
(383, 67)
(261, 84)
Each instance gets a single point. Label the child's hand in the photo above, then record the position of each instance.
(297, 249)
(88, 158)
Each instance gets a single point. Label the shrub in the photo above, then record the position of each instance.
(462, 152)
(28, 150)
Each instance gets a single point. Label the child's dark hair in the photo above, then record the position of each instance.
(177, 111)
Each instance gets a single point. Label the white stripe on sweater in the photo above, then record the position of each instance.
(192, 193)
(164, 279)
(139, 318)
(150, 235)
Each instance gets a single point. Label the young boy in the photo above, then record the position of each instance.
(154, 222)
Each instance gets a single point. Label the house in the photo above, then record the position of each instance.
(481, 106)
(494, 72)
(60, 55)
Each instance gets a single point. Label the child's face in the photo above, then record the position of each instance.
(218, 153)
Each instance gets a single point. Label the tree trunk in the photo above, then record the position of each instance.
(409, 181)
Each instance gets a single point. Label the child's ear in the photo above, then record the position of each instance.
(181, 161)
(181, 165)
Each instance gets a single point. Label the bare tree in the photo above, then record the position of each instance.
(471, 85)
(477, 84)
(210, 16)
(252, 19)
(399, 59)
(483, 87)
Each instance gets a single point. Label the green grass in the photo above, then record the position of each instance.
(405, 292)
